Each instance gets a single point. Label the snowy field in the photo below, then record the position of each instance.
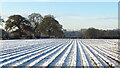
(59, 52)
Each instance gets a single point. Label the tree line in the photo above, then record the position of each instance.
(93, 33)
(35, 26)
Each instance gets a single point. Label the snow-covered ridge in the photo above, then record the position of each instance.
(59, 52)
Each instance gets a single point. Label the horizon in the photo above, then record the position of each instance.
(72, 15)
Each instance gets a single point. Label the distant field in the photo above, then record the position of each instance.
(59, 52)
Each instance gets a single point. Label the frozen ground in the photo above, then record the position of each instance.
(59, 52)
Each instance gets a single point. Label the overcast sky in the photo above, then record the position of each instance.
(72, 15)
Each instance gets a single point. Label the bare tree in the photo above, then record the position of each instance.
(36, 19)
